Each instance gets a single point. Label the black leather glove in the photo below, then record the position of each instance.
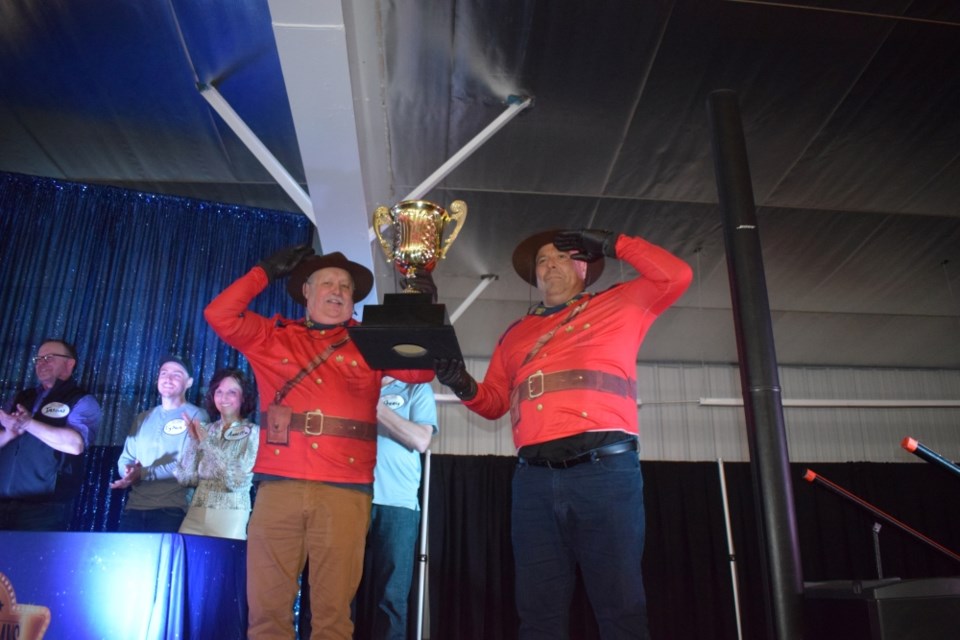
(453, 373)
(280, 264)
(589, 244)
(421, 282)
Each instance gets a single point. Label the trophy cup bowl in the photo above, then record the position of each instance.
(417, 242)
(409, 330)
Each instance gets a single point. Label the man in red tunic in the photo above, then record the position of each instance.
(566, 372)
(318, 443)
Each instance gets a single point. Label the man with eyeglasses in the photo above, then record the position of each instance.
(45, 430)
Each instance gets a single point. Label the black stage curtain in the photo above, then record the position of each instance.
(686, 567)
(99, 507)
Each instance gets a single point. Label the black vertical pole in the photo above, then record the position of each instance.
(759, 379)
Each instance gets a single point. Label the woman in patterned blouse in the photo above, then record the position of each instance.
(218, 459)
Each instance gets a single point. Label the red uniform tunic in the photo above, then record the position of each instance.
(605, 335)
(343, 386)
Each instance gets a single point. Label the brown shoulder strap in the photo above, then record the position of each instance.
(313, 364)
(542, 340)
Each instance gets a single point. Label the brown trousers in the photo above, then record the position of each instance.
(293, 520)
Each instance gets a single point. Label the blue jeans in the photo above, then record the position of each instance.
(388, 569)
(591, 515)
(151, 520)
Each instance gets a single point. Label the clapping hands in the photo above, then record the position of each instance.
(194, 429)
(130, 477)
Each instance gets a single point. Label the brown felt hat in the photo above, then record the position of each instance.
(362, 277)
(525, 258)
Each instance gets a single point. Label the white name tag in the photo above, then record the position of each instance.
(393, 401)
(236, 433)
(55, 410)
(175, 427)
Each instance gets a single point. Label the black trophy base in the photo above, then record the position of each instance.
(407, 331)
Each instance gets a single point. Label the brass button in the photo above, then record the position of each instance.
(353, 363)
(319, 380)
(569, 329)
(339, 358)
(314, 445)
(276, 452)
(583, 414)
(323, 332)
(285, 361)
(586, 325)
(351, 460)
(539, 407)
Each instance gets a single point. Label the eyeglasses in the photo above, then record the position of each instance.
(49, 357)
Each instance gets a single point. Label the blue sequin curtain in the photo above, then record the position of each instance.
(125, 276)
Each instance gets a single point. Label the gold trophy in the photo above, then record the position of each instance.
(409, 330)
(418, 233)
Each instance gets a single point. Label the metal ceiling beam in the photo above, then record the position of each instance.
(516, 104)
(312, 44)
(258, 149)
(485, 281)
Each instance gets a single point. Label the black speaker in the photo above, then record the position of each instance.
(892, 609)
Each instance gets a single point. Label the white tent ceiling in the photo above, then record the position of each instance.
(850, 112)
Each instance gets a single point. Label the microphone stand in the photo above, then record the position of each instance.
(876, 549)
(815, 478)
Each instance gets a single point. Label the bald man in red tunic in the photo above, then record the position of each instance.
(566, 373)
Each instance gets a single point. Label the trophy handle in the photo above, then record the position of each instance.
(458, 213)
(381, 217)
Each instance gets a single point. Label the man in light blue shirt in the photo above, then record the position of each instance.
(406, 422)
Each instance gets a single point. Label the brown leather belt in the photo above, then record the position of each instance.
(540, 383)
(314, 423)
